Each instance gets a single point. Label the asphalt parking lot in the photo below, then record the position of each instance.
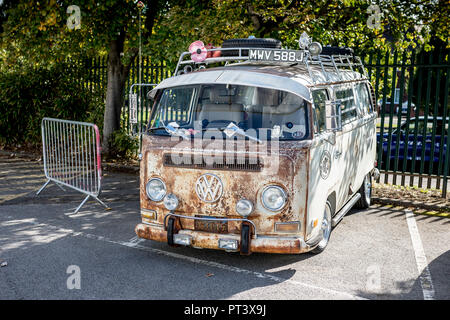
(380, 253)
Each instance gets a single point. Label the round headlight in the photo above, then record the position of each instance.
(244, 207)
(273, 198)
(156, 189)
(171, 201)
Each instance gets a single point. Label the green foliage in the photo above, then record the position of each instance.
(36, 40)
(37, 31)
(30, 94)
(403, 23)
(123, 145)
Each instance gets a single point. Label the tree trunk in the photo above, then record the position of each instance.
(114, 92)
(117, 77)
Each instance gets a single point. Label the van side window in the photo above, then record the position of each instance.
(348, 105)
(364, 104)
(319, 98)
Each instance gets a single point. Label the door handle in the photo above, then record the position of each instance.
(337, 154)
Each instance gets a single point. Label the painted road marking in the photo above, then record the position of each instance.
(261, 275)
(421, 260)
(135, 243)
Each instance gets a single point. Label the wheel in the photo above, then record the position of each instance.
(366, 192)
(326, 229)
(248, 43)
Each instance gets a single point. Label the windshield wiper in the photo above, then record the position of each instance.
(233, 129)
(173, 129)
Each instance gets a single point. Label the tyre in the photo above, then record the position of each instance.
(325, 228)
(248, 43)
(366, 193)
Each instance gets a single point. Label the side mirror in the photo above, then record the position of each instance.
(333, 115)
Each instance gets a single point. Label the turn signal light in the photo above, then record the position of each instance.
(288, 227)
(228, 244)
(148, 214)
(182, 239)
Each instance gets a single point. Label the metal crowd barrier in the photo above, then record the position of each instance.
(71, 155)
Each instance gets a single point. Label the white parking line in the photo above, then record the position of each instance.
(135, 243)
(421, 260)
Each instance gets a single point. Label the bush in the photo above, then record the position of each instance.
(30, 94)
(123, 145)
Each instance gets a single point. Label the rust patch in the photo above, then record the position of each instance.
(292, 175)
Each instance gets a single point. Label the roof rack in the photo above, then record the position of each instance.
(346, 66)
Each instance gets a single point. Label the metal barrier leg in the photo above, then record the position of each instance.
(60, 186)
(102, 203)
(86, 199)
(43, 187)
(81, 204)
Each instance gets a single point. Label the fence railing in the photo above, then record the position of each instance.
(71, 156)
(152, 74)
(139, 107)
(92, 73)
(413, 125)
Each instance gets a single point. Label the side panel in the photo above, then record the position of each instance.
(368, 135)
(325, 176)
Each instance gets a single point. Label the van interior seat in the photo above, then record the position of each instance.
(269, 108)
(221, 107)
(282, 115)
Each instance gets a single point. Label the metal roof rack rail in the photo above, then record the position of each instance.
(342, 64)
(226, 59)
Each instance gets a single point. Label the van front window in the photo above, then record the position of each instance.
(262, 113)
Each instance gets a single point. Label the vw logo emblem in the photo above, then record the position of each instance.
(325, 164)
(209, 187)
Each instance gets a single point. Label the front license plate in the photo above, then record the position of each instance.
(211, 226)
(275, 55)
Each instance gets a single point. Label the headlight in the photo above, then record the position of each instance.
(244, 207)
(156, 189)
(273, 198)
(171, 201)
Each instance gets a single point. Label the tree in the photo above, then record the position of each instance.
(403, 23)
(36, 32)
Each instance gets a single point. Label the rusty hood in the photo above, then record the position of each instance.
(287, 167)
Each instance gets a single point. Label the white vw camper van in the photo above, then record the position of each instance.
(255, 148)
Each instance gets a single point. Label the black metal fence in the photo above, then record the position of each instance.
(151, 72)
(413, 125)
(93, 74)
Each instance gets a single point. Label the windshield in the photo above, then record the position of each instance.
(249, 111)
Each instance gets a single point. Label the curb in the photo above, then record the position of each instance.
(134, 169)
(114, 167)
(20, 154)
(404, 203)
(106, 166)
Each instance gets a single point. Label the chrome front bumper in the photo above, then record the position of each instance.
(207, 240)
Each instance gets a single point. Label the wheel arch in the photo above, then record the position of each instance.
(332, 199)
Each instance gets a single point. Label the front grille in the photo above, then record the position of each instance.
(190, 161)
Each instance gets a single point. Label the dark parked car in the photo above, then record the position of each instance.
(415, 144)
(404, 107)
